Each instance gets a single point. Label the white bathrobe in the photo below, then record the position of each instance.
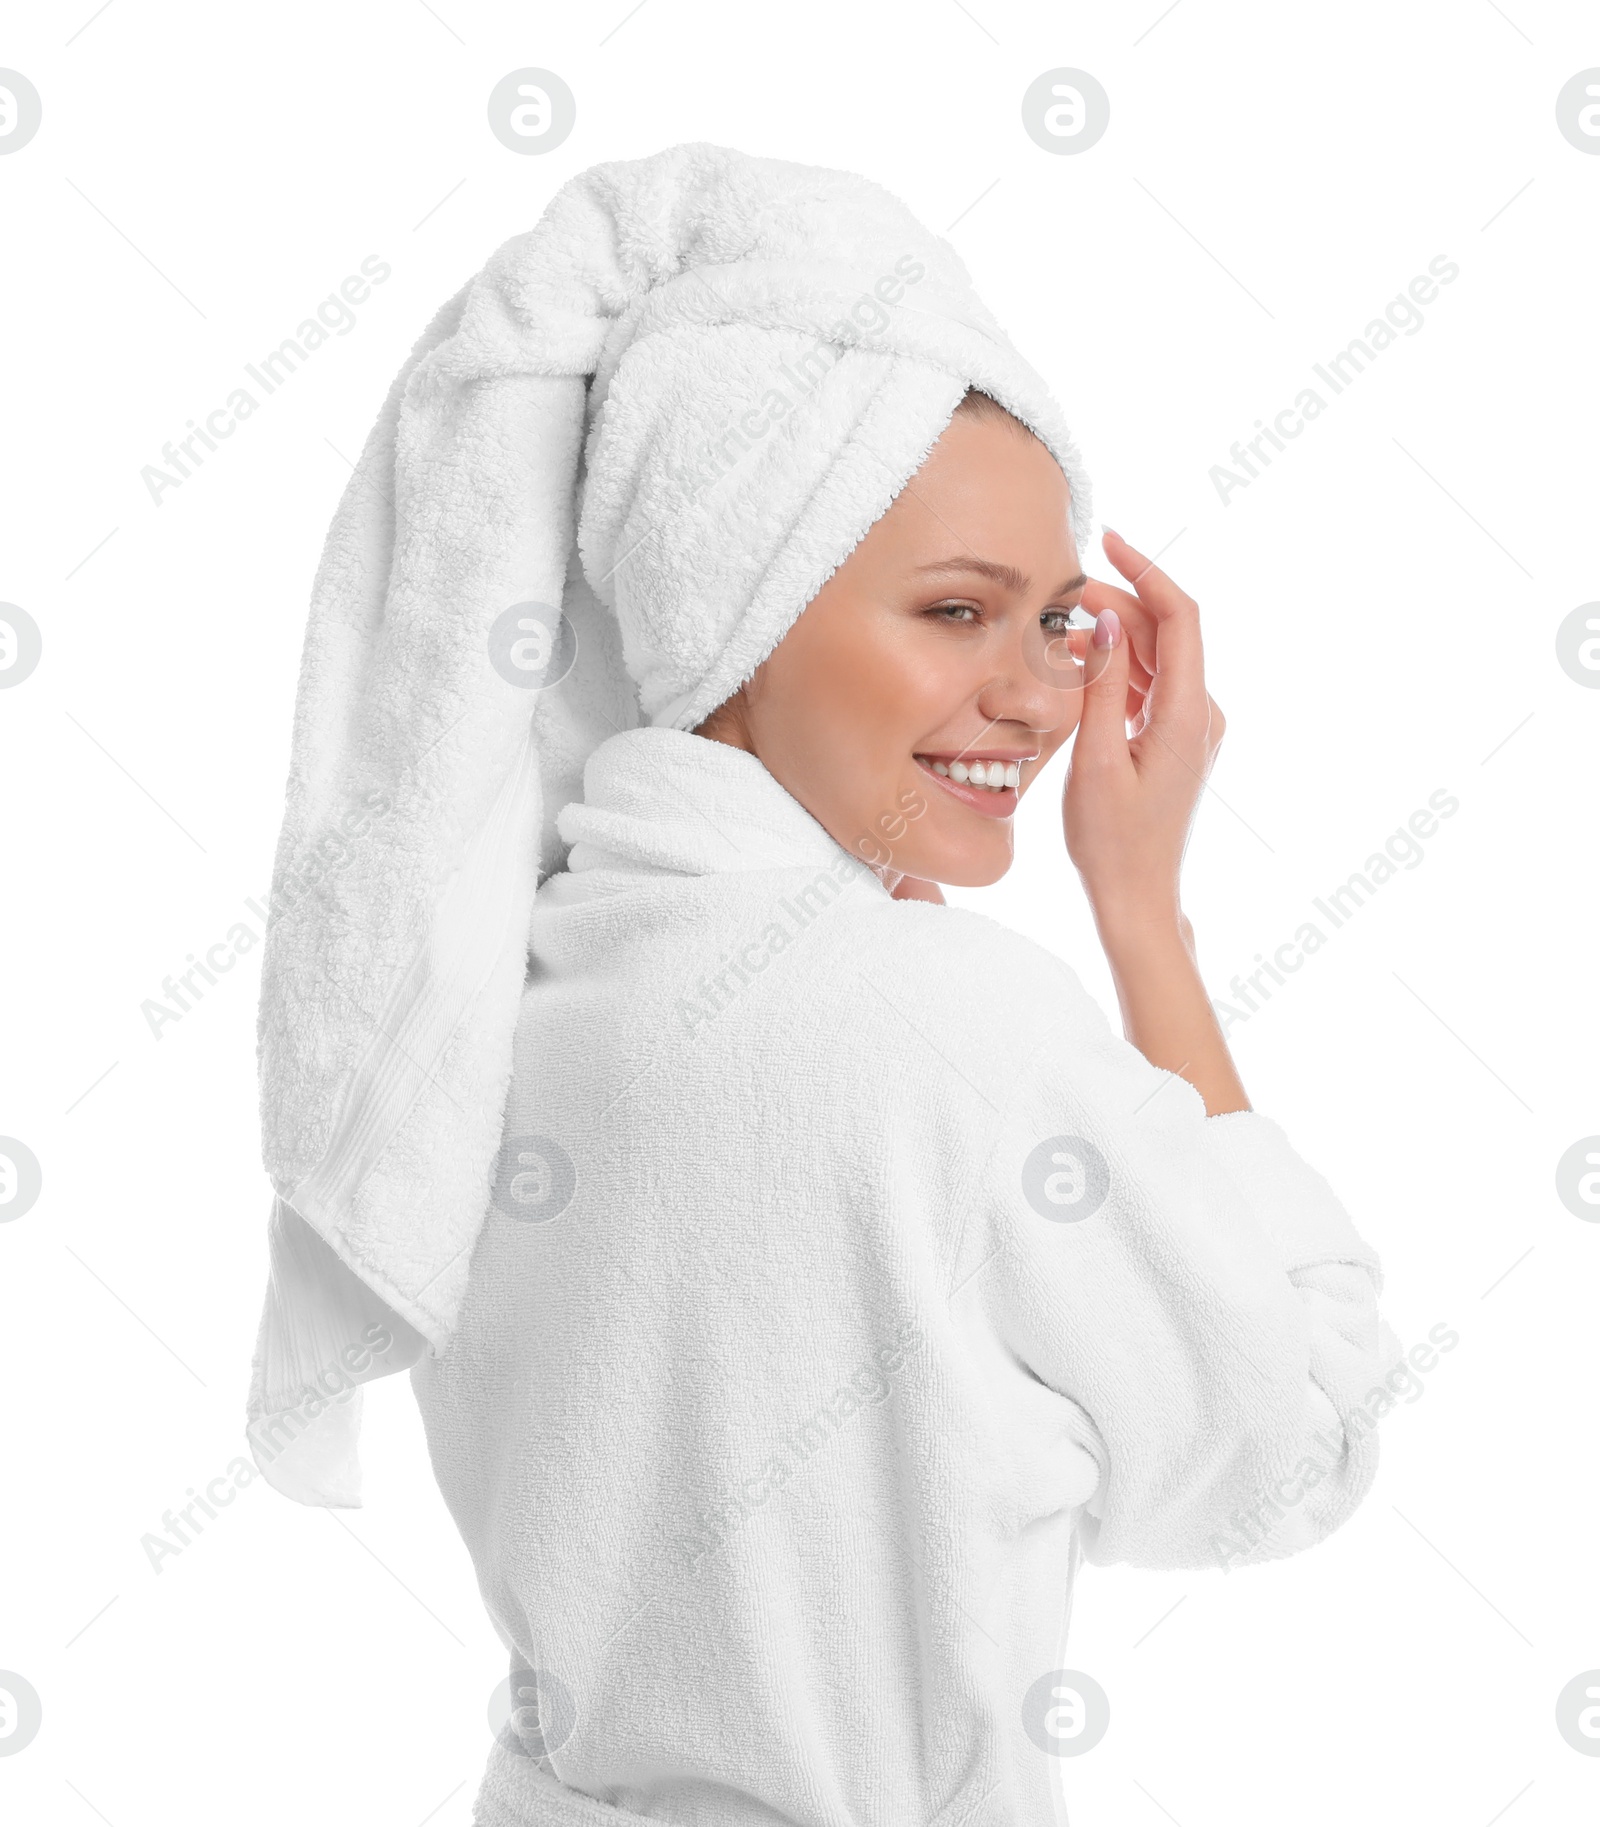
(847, 1277)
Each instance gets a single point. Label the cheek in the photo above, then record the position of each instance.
(845, 669)
(838, 735)
(870, 696)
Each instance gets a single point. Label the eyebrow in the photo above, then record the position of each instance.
(1007, 576)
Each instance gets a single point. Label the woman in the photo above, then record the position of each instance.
(839, 1277)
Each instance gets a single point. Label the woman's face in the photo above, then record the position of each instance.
(939, 644)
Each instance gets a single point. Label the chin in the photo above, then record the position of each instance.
(961, 865)
(973, 876)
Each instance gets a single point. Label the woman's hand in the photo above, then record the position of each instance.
(1127, 809)
(1129, 800)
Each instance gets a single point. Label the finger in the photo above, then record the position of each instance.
(1137, 622)
(1178, 696)
(1150, 582)
(1143, 629)
(1076, 642)
(1102, 736)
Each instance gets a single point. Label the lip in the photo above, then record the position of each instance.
(991, 804)
(980, 755)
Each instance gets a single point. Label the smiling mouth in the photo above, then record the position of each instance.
(985, 784)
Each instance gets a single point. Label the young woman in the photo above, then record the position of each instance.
(843, 1278)
(775, 1479)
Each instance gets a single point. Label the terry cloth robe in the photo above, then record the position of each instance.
(846, 1279)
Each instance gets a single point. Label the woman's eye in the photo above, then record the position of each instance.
(952, 612)
(1059, 621)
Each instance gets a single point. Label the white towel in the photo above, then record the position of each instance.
(845, 1277)
(614, 470)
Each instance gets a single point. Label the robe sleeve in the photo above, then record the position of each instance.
(1197, 1294)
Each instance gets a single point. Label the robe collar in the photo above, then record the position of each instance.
(665, 801)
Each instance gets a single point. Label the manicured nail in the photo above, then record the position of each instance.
(1112, 533)
(1107, 628)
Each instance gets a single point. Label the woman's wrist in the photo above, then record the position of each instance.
(1139, 927)
(1166, 1012)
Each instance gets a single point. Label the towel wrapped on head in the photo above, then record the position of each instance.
(613, 471)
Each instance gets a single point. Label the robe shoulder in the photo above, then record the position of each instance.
(995, 1001)
(977, 958)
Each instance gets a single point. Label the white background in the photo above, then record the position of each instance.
(1380, 608)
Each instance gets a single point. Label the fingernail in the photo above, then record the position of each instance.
(1107, 628)
(1112, 531)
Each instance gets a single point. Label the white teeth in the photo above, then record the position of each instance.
(995, 776)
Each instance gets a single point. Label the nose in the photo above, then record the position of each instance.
(1033, 680)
